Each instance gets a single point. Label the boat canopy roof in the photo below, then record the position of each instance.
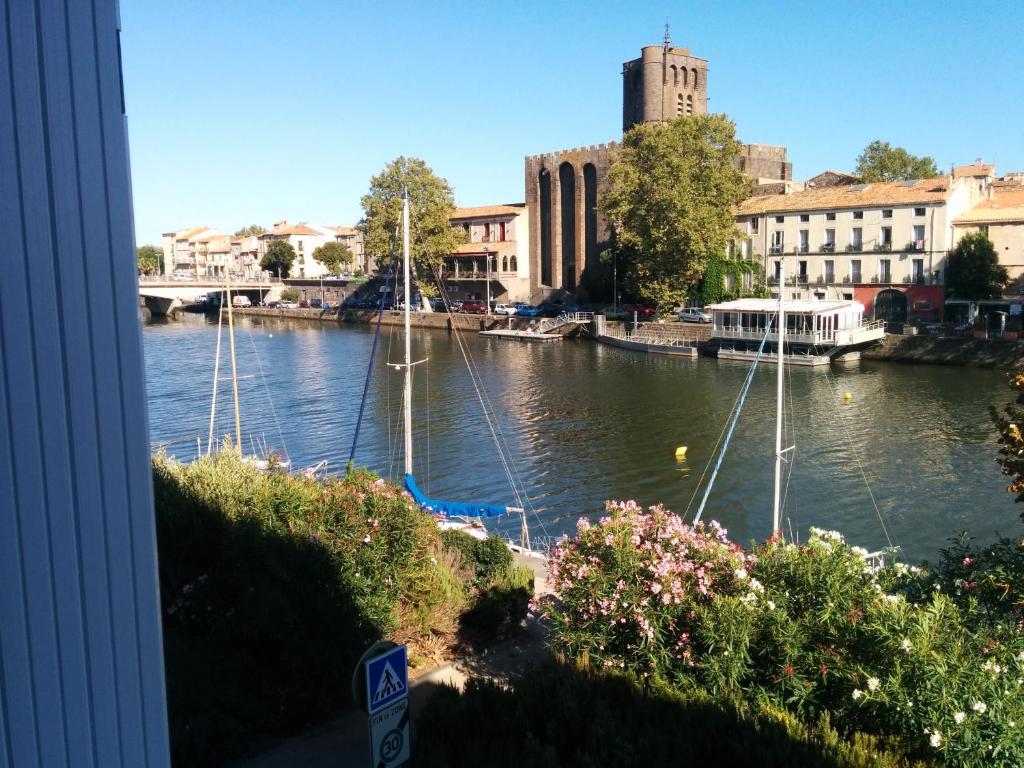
(800, 307)
(451, 508)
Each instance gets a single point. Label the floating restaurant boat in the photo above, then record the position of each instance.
(817, 332)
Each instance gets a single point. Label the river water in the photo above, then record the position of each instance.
(911, 449)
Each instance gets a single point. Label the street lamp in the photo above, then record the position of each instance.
(487, 261)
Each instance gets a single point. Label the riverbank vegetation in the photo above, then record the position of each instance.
(273, 585)
(931, 662)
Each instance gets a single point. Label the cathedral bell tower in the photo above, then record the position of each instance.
(664, 83)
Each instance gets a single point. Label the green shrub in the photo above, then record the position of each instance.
(565, 717)
(486, 557)
(289, 294)
(501, 604)
(272, 586)
(812, 629)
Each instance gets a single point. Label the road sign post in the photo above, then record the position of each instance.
(386, 696)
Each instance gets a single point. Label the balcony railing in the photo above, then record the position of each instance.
(915, 245)
(846, 280)
(828, 247)
(883, 246)
(854, 247)
(804, 248)
(775, 249)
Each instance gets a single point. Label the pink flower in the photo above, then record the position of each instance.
(967, 561)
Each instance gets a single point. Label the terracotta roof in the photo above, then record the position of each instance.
(343, 230)
(849, 196)
(975, 169)
(483, 211)
(478, 248)
(186, 234)
(294, 229)
(1006, 205)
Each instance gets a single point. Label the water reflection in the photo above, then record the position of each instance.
(584, 423)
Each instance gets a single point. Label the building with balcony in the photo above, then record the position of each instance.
(1001, 218)
(881, 244)
(183, 254)
(305, 238)
(498, 234)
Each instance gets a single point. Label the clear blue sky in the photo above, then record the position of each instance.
(248, 111)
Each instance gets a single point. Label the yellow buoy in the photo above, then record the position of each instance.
(680, 451)
(847, 396)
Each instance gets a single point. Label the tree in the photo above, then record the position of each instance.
(431, 205)
(278, 258)
(672, 189)
(973, 270)
(252, 229)
(880, 161)
(150, 259)
(1011, 442)
(333, 256)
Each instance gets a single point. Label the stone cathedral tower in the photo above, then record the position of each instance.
(664, 83)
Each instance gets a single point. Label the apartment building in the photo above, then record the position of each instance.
(182, 250)
(498, 234)
(1001, 218)
(882, 244)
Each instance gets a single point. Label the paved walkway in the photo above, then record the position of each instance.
(345, 742)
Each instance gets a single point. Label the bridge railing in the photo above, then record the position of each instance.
(208, 280)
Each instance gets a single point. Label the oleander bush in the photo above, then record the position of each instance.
(558, 716)
(273, 585)
(815, 629)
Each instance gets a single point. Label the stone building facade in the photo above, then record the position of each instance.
(567, 231)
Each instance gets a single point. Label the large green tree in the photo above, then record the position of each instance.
(973, 270)
(150, 259)
(333, 256)
(252, 229)
(431, 205)
(279, 258)
(881, 161)
(672, 190)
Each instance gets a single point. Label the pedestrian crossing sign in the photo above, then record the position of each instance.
(387, 679)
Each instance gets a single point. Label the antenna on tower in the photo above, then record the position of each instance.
(668, 37)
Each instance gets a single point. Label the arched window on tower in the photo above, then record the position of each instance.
(684, 76)
(675, 74)
(512, 263)
(679, 105)
(504, 263)
(689, 105)
(694, 73)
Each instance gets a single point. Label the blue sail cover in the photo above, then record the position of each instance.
(451, 508)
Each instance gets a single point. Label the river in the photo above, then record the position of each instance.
(911, 448)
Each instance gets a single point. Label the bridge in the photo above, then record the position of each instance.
(163, 296)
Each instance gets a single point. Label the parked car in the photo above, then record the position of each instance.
(240, 301)
(642, 312)
(694, 315)
(456, 305)
(275, 304)
(525, 310)
(287, 304)
(504, 309)
(474, 307)
(304, 304)
(316, 304)
(179, 275)
(438, 304)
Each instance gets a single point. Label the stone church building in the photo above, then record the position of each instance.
(562, 187)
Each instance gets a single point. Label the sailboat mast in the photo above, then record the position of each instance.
(234, 371)
(407, 399)
(781, 334)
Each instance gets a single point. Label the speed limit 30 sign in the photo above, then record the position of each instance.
(389, 735)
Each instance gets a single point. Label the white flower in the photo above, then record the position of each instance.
(756, 585)
(906, 645)
(892, 598)
(979, 706)
(741, 573)
(872, 683)
(857, 693)
(936, 740)
(959, 717)
(771, 605)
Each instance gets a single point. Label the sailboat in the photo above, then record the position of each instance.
(460, 515)
(782, 455)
